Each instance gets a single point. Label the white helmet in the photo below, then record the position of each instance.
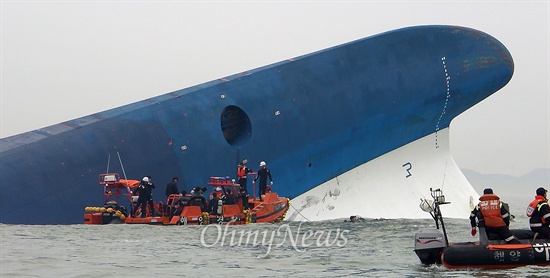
(145, 179)
(218, 188)
(262, 163)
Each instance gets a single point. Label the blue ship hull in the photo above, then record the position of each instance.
(311, 118)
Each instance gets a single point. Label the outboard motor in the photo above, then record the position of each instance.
(429, 245)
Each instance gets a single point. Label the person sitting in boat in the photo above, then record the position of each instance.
(217, 193)
(539, 213)
(493, 216)
(180, 203)
(197, 198)
(229, 197)
(198, 191)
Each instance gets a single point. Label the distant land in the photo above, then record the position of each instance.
(517, 191)
(509, 186)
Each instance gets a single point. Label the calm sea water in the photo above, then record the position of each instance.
(372, 248)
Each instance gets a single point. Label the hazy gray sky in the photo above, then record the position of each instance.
(61, 60)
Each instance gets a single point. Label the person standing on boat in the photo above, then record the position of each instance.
(172, 187)
(144, 196)
(493, 215)
(215, 201)
(263, 173)
(150, 186)
(242, 174)
(539, 213)
(243, 195)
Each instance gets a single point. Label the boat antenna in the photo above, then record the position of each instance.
(121, 165)
(439, 199)
(108, 162)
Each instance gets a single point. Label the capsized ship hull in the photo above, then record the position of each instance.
(330, 117)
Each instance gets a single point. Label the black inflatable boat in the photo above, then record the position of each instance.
(433, 247)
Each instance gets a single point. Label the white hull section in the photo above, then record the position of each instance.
(391, 186)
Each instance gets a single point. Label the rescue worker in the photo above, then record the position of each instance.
(493, 215)
(263, 173)
(197, 198)
(229, 198)
(539, 213)
(144, 196)
(242, 174)
(180, 203)
(150, 186)
(215, 198)
(243, 195)
(172, 187)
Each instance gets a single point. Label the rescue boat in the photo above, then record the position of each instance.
(432, 246)
(115, 191)
(188, 209)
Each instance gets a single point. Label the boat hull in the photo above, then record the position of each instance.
(271, 209)
(100, 218)
(490, 251)
(496, 255)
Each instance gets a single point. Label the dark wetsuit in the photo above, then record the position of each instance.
(172, 188)
(143, 199)
(262, 175)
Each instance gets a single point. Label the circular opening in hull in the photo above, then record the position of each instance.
(236, 127)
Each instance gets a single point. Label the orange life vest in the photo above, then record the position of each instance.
(215, 194)
(534, 205)
(490, 209)
(241, 172)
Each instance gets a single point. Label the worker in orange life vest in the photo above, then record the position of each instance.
(242, 172)
(217, 193)
(215, 203)
(539, 213)
(492, 215)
